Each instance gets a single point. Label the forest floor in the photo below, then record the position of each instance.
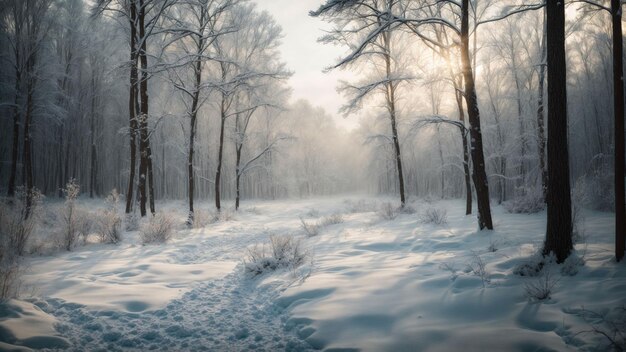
(372, 280)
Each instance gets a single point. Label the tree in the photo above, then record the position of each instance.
(246, 58)
(352, 18)
(414, 19)
(144, 17)
(30, 24)
(559, 227)
(618, 106)
(201, 22)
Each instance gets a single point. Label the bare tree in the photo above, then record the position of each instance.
(352, 20)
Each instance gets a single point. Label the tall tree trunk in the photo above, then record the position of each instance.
(618, 106)
(559, 227)
(478, 158)
(238, 175)
(466, 161)
(541, 134)
(92, 125)
(192, 127)
(16, 133)
(132, 106)
(391, 105)
(220, 151)
(27, 150)
(145, 162)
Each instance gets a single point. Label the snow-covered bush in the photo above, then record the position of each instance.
(437, 216)
(16, 227)
(72, 222)
(10, 271)
(579, 199)
(202, 218)
(529, 203)
(310, 229)
(131, 222)
(9, 256)
(533, 265)
(332, 219)
(157, 230)
(387, 211)
(609, 326)
(541, 288)
(110, 224)
(282, 251)
(407, 209)
(478, 267)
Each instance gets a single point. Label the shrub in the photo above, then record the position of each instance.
(437, 216)
(310, 229)
(10, 269)
(132, 222)
(332, 219)
(478, 267)
(18, 221)
(110, 223)
(530, 203)
(541, 288)
(609, 325)
(71, 219)
(157, 230)
(282, 251)
(387, 211)
(201, 218)
(10, 273)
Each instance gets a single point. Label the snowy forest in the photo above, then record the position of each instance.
(275, 175)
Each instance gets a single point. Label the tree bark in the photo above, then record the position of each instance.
(193, 125)
(16, 132)
(559, 226)
(618, 106)
(391, 105)
(27, 150)
(132, 107)
(478, 158)
(466, 156)
(220, 151)
(92, 127)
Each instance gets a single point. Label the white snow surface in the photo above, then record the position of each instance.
(370, 284)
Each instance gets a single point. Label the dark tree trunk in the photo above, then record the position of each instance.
(238, 175)
(478, 158)
(220, 152)
(16, 130)
(92, 168)
(132, 107)
(146, 174)
(618, 103)
(27, 150)
(466, 156)
(193, 120)
(559, 227)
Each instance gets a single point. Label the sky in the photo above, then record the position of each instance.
(307, 58)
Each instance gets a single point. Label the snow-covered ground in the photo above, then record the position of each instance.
(369, 284)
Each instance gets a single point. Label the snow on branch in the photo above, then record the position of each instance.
(271, 146)
(437, 120)
(518, 9)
